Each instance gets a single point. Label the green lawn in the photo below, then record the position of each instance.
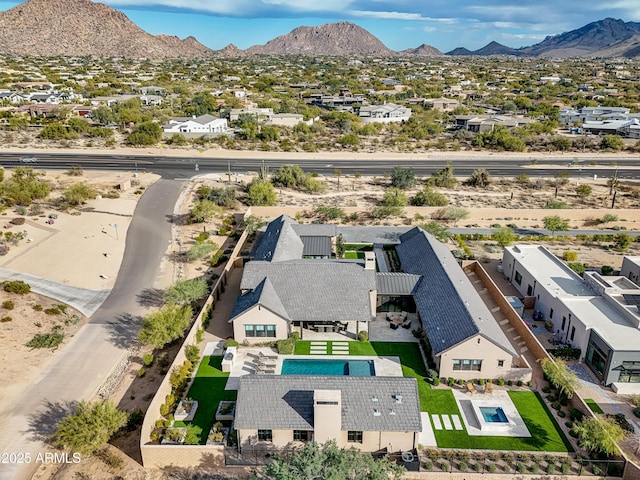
(353, 255)
(591, 403)
(208, 389)
(546, 434)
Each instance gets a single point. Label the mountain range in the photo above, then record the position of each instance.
(82, 27)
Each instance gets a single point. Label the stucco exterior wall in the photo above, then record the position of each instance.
(259, 315)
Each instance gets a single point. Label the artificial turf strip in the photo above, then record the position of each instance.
(208, 389)
(591, 403)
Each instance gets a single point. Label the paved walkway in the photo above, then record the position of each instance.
(84, 300)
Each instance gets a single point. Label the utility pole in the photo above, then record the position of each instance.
(614, 180)
(229, 171)
(613, 200)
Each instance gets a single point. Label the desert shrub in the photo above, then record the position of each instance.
(141, 372)
(596, 469)
(444, 466)
(8, 305)
(147, 359)
(436, 381)
(450, 381)
(6, 319)
(569, 256)
(286, 347)
(522, 468)
(427, 465)
(363, 336)
(501, 382)
(230, 342)
(575, 415)
(193, 353)
(491, 468)
(16, 286)
(534, 468)
(46, 340)
(636, 412)
(562, 413)
(551, 469)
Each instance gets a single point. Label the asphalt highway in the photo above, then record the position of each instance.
(174, 167)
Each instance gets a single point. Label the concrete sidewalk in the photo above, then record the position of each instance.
(84, 300)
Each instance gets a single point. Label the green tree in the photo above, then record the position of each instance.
(583, 191)
(600, 434)
(429, 197)
(443, 178)
(166, 325)
(200, 250)
(289, 176)
(480, 177)
(224, 197)
(54, 131)
(438, 230)
(261, 193)
(394, 197)
(560, 375)
(329, 462)
(622, 241)
(145, 133)
(89, 427)
(523, 179)
(349, 140)
(504, 236)
(403, 178)
(184, 292)
(555, 224)
(252, 223)
(24, 187)
(103, 115)
(78, 193)
(329, 212)
(203, 211)
(612, 142)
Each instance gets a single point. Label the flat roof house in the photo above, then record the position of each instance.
(367, 413)
(203, 124)
(598, 314)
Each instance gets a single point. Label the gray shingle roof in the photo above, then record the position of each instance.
(315, 229)
(316, 246)
(264, 294)
(396, 283)
(317, 290)
(286, 402)
(450, 308)
(384, 235)
(279, 241)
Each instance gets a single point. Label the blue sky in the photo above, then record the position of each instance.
(400, 24)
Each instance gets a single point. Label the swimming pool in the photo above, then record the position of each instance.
(493, 415)
(353, 368)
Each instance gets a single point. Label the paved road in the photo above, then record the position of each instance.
(185, 167)
(99, 347)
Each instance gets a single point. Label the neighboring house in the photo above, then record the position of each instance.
(465, 339)
(487, 123)
(260, 114)
(607, 127)
(597, 314)
(203, 124)
(387, 113)
(570, 116)
(367, 413)
(631, 269)
(289, 119)
(442, 104)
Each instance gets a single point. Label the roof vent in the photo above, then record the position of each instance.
(398, 398)
(374, 399)
(392, 412)
(376, 413)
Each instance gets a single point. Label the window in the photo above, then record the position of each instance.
(564, 322)
(260, 330)
(518, 278)
(301, 436)
(551, 313)
(573, 332)
(265, 435)
(529, 290)
(354, 436)
(501, 363)
(475, 365)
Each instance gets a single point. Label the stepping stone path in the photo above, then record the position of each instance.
(435, 418)
(456, 422)
(318, 348)
(340, 348)
(446, 421)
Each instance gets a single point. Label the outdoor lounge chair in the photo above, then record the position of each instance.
(393, 326)
(267, 358)
(488, 388)
(406, 324)
(471, 388)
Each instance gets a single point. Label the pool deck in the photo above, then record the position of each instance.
(248, 361)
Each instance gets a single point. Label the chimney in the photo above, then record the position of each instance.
(327, 415)
(369, 261)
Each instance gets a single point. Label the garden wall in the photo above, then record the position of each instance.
(160, 456)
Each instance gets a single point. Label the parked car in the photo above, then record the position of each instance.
(28, 159)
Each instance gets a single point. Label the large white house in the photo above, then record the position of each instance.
(203, 124)
(387, 113)
(598, 314)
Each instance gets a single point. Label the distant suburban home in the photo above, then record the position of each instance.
(597, 314)
(294, 283)
(486, 123)
(366, 413)
(289, 119)
(203, 124)
(260, 114)
(387, 113)
(442, 104)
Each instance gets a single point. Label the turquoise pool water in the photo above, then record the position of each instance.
(493, 415)
(353, 368)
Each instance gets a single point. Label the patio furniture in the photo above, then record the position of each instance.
(488, 388)
(268, 357)
(407, 324)
(393, 326)
(471, 388)
(404, 315)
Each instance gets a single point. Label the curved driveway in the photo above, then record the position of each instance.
(88, 359)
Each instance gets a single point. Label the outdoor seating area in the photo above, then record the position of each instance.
(266, 364)
(398, 319)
